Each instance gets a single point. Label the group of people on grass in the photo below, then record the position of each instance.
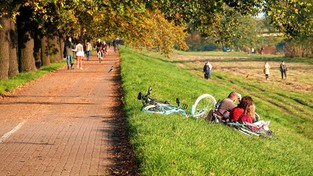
(243, 112)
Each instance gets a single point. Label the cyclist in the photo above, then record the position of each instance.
(99, 47)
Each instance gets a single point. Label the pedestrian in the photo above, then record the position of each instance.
(88, 50)
(105, 48)
(262, 50)
(283, 70)
(114, 45)
(79, 55)
(68, 52)
(207, 68)
(267, 70)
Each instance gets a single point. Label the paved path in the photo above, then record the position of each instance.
(65, 123)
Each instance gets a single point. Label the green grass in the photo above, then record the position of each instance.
(22, 78)
(173, 145)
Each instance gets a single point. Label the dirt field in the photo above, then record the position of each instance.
(69, 122)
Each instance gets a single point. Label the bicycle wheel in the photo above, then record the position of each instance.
(202, 106)
(153, 109)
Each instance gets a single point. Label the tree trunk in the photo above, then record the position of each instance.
(61, 40)
(27, 53)
(44, 51)
(55, 53)
(13, 68)
(37, 50)
(4, 47)
(26, 40)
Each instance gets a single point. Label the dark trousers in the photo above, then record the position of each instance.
(283, 74)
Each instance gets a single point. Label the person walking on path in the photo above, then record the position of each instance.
(267, 70)
(114, 45)
(68, 53)
(79, 55)
(283, 70)
(207, 70)
(88, 50)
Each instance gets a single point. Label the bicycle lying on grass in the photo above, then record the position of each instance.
(199, 109)
(154, 106)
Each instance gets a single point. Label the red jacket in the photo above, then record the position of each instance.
(235, 114)
(245, 118)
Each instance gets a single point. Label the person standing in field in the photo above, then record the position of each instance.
(207, 68)
(68, 53)
(88, 50)
(283, 70)
(267, 70)
(79, 55)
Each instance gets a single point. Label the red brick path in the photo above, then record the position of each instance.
(67, 123)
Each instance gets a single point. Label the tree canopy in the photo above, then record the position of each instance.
(151, 24)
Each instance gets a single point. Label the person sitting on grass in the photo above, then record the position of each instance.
(238, 111)
(248, 114)
(227, 105)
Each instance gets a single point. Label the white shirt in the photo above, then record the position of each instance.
(79, 50)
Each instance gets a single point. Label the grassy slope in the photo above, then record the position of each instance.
(172, 145)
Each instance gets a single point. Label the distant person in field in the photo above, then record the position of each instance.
(283, 70)
(79, 55)
(207, 68)
(68, 52)
(227, 105)
(266, 70)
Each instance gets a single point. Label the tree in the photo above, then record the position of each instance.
(294, 18)
(8, 40)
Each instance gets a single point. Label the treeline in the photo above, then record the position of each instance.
(24, 48)
(32, 32)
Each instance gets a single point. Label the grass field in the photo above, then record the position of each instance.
(173, 145)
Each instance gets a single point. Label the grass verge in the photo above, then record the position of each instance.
(22, 78)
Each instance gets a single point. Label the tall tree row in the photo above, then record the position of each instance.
(32, 32)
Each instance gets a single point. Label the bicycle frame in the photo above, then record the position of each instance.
(154, 106)
(163, 109)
